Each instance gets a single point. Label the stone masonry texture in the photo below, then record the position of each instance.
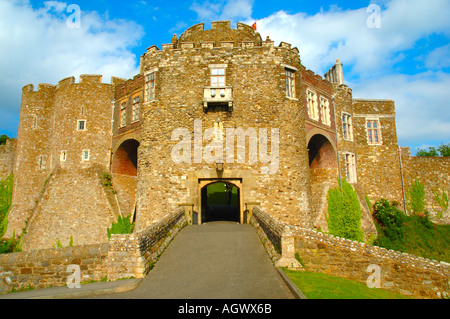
(88, 151)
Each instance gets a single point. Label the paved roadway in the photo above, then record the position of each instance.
(217, 260)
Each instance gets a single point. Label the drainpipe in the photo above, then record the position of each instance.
(401, 174)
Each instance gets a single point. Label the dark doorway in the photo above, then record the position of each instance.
(220, 202)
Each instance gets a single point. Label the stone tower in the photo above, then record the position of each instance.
(213, 106)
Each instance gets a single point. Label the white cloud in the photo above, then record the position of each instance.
(344, 34)
(38, 46)
(439, 58)
(370, 57)
(421, 102)
(232, 10)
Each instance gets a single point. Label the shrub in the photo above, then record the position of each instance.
(344, 213)
(442, 201)
(390, 220)
(122, 226)
(416, 196)
(6, 187)
(10, 245)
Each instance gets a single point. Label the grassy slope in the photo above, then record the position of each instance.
(322, 286)
(431, 242)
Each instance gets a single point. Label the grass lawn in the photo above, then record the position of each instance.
(321, 286)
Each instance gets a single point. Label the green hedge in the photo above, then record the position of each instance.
(344, 213)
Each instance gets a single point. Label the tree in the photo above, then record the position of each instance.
(443, 150)
(3, 139)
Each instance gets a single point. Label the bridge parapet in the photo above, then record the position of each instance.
(277, 238)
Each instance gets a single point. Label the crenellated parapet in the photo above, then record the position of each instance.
(220, 37)
(129, 86)
(316, 80)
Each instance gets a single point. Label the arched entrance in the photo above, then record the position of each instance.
(125, 158)
(124, 173)
(323, 169)
(220, 201)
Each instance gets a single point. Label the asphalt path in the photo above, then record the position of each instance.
(216, 260)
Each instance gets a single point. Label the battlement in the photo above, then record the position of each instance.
(42, 87)
(91, 78)
(221, 31)
(185, 46)
(129, 86)
(316, 80)
(220, 36)
(84, 78)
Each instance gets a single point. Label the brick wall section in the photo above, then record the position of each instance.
(123, 256)
(378, 166)
(48, 267)
(133, 255)
(7, 155)
(33, 141)
(48, 125)
(401, 273)
(433, 173)
(257, 76)
(82, 211)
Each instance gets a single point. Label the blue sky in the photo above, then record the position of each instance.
(406, 59)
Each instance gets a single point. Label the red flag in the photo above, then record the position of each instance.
(254, 26)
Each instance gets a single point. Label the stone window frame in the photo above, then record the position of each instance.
(350, 167)
(218, 77)
(150, 85)
(347, 126)
(81, 125)
(325, 110)
(123, 114)
(289, 81)
(63, 156)
(85, 158)
(289, 77)
(214, 77)
(311, 101)
(373, 133)
(135, 108)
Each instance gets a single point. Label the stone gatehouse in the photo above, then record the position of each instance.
(223, 105)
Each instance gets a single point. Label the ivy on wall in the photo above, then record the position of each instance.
(344, 213)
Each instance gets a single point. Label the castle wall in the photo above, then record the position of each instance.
(433, 173)
(348, 146)
(378, 164)
(73, 206)
(90, 100)
(381, 268)
(257, 77)
(321, 143)
(7, 155)
(32, 162)
(53, 192)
